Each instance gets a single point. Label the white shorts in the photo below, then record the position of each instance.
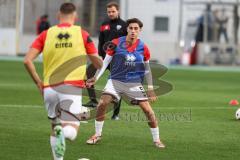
(133, 91)
(68, 97)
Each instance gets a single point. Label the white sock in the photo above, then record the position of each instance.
(53, 143)
(155, 134)
(98, 127)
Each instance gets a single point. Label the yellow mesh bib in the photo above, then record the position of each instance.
(64, 55)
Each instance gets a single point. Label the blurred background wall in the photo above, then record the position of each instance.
(170, 26)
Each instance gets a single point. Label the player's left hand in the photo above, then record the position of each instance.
(151, 95)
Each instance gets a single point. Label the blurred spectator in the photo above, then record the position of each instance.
(215, 25)
(235, 23)
(205, 21)
(42, 24)
(222, 22)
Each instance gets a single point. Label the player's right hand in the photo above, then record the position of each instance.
(90, 82)
(151, 95)
(40, 87)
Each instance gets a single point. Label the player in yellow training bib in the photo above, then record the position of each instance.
(65, 49)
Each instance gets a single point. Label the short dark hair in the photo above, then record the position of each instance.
(67, 8)
(134, 20)
(113, 4)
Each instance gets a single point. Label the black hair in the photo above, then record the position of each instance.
(134, 20)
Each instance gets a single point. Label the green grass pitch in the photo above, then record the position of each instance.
(196, 121)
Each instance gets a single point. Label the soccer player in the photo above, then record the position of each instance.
(113, 27)
(63, 46)
(129, 57)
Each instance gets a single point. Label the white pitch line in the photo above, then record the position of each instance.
(198, 108)
(207, 68)
(16, 59)
(204, 108)
(128, 107)
(20, 106)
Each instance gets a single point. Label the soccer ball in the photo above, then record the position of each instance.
(238, 114)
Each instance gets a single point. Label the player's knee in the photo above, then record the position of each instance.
(148, 111)
(151, 116)
(70, 132)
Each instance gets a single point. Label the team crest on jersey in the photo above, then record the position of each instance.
(118, 27)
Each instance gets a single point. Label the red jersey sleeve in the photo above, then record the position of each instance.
(146, 53)
(112, 46)
(38, 43)
(88, 43)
